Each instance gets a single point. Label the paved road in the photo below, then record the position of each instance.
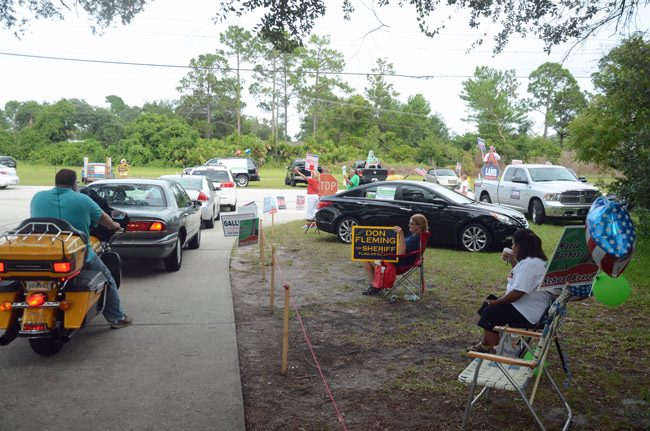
(176, 368)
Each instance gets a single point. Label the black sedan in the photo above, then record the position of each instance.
(162, 219)
(453, 218)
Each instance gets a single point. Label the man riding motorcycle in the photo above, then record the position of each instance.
(82, 212)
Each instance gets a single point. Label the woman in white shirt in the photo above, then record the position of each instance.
(523, 304)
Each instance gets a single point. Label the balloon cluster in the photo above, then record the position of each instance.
(610, 238)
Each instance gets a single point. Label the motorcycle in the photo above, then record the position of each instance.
(46, 295)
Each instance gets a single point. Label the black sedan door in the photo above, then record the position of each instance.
(377, 206)
(442, 220)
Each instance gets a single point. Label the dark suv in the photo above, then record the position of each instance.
(292, 178)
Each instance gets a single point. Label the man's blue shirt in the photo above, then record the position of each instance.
(63, 203)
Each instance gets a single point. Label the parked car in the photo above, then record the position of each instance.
(291, 178)
(8, 161)
(162, 219)
(444, 177)
(222, 179)
(370, 173)
(200, 188)
(541, 190)
(8, 176)
(453, 218)
(243, 169)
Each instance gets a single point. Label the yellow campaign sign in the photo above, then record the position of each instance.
(370, 243)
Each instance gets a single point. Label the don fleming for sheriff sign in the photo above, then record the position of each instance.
(370, 243)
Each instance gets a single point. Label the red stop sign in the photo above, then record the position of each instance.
(328, 185)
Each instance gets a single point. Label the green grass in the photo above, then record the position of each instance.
(43, 175)
(607, 347)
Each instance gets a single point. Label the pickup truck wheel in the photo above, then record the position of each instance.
(475, 237)
(537, 212)
(344, 229)
(286, 181)
(241, 180)
(293, 182)
(486, 198)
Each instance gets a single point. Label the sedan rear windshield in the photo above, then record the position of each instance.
(214, 176)
(194, 183)
(445, 173)
(134, 195)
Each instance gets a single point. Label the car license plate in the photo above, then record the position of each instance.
(37, 285)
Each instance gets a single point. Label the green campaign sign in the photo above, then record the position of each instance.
(249, 231)
(370, 243)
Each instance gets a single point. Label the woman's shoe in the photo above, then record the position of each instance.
(371, 291)
(481, 348)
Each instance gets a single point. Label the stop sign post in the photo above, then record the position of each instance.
(328, 185)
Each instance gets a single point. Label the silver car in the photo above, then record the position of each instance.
(444, 177)
(200, 188)
(162, 219)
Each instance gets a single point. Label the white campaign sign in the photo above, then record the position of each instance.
(230, 222)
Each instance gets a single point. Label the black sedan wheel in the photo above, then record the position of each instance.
(474, 237)
(174, 261)
(344, 229)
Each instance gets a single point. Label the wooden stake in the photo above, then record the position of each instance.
(272, 294)
(262, 263)
(285, 333)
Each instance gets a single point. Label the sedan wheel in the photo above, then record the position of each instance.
(474, 238)
(174, 261)
(344, 230)
(195, 242)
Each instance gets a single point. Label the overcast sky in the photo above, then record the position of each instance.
(168, 34)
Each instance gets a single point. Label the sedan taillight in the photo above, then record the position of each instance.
(323, 204)
(146, 226)
(227, 185)
(202, 197)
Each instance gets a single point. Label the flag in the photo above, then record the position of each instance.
(420, 171)
(480, 143)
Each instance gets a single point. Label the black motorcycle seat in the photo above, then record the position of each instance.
(61, 224)
(88, 279)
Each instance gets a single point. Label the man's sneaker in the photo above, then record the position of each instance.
(124, 321)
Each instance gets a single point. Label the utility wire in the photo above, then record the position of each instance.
(243, 69)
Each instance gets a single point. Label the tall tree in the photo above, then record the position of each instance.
(382, 94)
(613, 131)
(56, 122)
(121, 109)
(491, 97)
(243, 47)
(557, 95)
(204, 88)
(319, 69)
(553, 21)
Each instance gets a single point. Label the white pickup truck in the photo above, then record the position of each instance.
(540, 190)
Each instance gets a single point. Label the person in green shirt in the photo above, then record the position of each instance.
(352, 180)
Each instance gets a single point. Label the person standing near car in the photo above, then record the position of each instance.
(62, 202)
(313, 187)
(352, 180)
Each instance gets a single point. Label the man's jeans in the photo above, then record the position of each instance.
(112, 309)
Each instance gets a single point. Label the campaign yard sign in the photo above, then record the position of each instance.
(300, 202)
(370, 243)
(249, 230)
(571, 263)
(231, 222)
(311, 162)
(282, 204)
(385, 193)
(270, 205)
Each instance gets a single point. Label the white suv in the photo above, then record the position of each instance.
(243, 169)
(221, 178)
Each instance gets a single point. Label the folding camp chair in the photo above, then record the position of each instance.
(311, 224)
(406, 274)
(496, 371)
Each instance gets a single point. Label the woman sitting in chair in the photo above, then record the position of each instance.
(411, 243)
(522, 305)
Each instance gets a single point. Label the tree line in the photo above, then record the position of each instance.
(341, 123)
